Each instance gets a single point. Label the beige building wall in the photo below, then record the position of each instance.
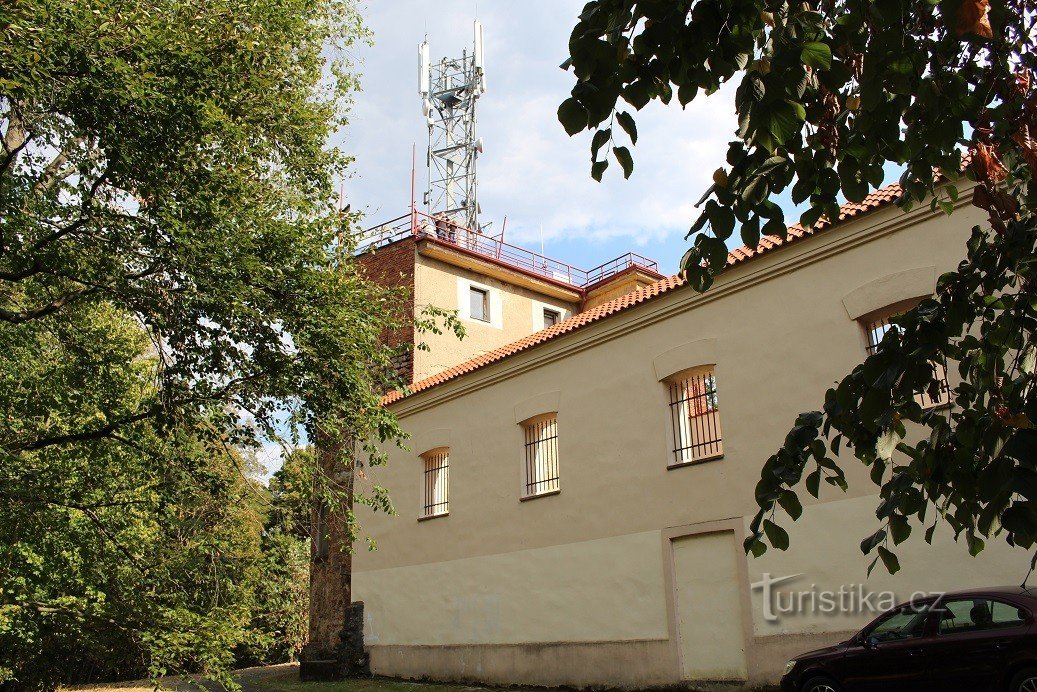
(586, 586)
(516, 311)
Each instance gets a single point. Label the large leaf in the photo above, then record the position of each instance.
(816, 54)
(622, 155)
(573, 116)
(626, 121)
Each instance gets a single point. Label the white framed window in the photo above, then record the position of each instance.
(541, 456)
(544, 315)
(695, 417)
(435, 489)
(878, 324)
(479, 304)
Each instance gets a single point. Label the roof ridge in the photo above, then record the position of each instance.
(879, 198)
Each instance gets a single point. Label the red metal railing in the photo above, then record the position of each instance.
(421, 225)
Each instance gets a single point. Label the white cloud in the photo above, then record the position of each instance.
(531, 172)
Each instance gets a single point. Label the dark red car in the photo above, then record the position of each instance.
(967, 641)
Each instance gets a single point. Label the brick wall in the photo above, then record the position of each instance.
(330, 568)
(393, 266)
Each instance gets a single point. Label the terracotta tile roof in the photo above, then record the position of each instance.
(877, 199)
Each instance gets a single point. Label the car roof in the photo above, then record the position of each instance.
(1025, 591)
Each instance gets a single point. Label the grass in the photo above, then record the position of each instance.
(279, 678)
(288, 681)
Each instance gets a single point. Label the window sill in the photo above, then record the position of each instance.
(434, 516)
(546, 493)
(695, 462)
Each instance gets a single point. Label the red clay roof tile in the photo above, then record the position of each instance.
(879, 198)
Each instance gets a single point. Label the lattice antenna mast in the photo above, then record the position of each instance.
(449, 92)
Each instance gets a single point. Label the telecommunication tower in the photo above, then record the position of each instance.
(449, 92)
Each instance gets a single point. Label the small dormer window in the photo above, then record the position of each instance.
(551, 317)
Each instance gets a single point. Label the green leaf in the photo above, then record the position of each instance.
(573, 116)
(813, 482)
(777, 536)
(791, 504)
(755, 191)
(598, 169)
(600, 138)
(975, 544)
(869, 543)
(622, 155)
(754, 545)
(626, 121)
(750, 232)
(714, 251)
(785, 120)
(871, 566)
(889, 560)
(816, 54)
(686, 93)
(899, 528)
(721, 220)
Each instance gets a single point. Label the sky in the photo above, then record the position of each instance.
(531, 171)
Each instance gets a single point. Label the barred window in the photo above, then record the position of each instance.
(938, 393)
(541, 452)
(436, 483)
(695, 415)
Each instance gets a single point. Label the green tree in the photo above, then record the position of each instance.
(291, 489)
(129, 555)
(176, 286)
(830, 93)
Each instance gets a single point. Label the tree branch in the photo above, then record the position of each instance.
(87, 435)
(15, 138)
(16, 317)
(54, 171)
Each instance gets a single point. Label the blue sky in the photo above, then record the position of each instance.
(531, 171)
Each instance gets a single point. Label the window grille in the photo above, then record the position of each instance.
(436, 478)
(551, 318)
(936, 395)
(876, 330)
(695, 414)
(480, 304)
(541, 456)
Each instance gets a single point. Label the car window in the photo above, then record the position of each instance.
(977, 614)
(906, 623)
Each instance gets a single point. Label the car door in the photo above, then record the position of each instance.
(973, 642)
(889, 655)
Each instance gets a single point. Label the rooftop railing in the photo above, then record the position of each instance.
(420, 225)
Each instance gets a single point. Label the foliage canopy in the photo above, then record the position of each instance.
(176, 287)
